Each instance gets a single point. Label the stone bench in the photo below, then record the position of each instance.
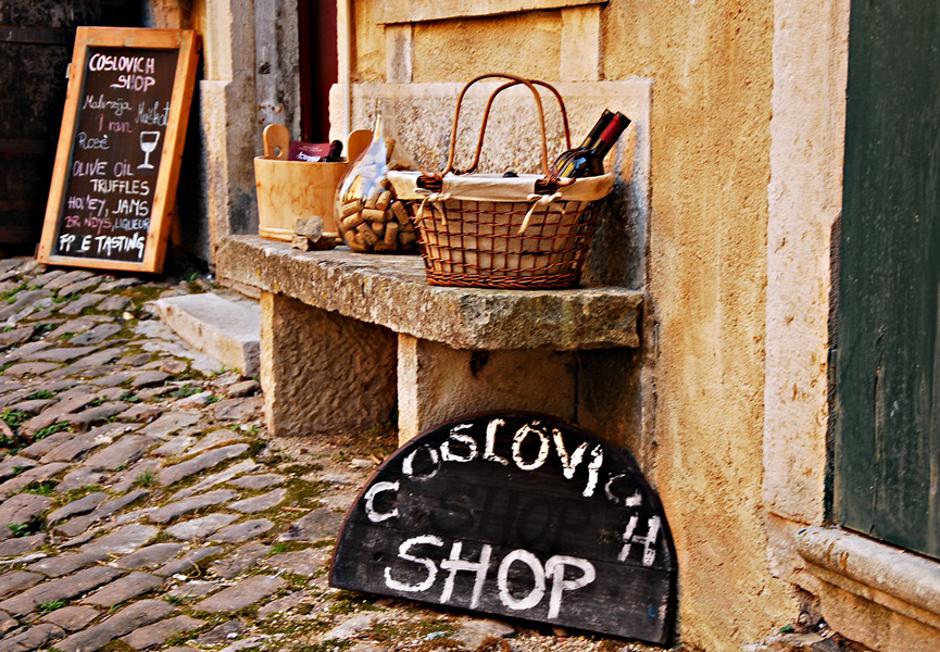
(348, 339)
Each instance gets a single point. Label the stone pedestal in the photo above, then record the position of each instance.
(339, 329)
(436, 383)
(323, 372)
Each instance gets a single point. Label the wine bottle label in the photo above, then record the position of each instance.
(301, 151)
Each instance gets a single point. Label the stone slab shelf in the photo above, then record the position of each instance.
(391, 291)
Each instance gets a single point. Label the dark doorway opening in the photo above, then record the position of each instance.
(318, 66)
(36, 39)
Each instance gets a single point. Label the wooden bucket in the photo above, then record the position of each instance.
(291, 190)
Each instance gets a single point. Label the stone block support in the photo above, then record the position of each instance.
(436, 383)
(611, 392)
(322, 372)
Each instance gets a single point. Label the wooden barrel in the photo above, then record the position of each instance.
(291, 190)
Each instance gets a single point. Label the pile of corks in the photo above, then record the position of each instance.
(379, 222)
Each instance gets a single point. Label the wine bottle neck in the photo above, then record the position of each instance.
(590, 140)
(611, 133)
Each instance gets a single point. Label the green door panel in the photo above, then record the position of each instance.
(886, 437)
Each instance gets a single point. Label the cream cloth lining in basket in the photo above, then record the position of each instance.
(496, 188)
(493, 187)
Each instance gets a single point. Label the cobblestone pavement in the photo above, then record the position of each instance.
(144, 508)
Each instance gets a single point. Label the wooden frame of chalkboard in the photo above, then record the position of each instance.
(107, 212)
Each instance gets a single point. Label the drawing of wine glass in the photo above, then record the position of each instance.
(148, 143)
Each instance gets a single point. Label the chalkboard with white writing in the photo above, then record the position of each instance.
(119, 149)
(519, 515)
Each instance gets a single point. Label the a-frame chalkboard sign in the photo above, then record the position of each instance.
(520, 515)
(120, 145)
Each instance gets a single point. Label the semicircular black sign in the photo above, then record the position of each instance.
(515, 514)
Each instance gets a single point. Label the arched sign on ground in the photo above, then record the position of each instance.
(520, 515)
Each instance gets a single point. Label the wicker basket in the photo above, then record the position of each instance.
(488, 231)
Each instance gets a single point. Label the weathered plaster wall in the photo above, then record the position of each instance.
(228, 122)
(712, 70)
(368, 43)
(712, 73)
(458, 51)
(277, 65)
(174, 14)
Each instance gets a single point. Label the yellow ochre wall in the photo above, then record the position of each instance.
(711, 66)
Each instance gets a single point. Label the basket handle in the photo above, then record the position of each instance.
(486, 115)
(538, 105)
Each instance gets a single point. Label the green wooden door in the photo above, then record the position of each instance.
(887, 383)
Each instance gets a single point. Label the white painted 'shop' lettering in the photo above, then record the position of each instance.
(404, 553)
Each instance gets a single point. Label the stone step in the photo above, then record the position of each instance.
(223, 328)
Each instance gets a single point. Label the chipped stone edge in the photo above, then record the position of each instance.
(902, 581)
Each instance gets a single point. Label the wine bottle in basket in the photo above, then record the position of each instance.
(587, 143)
(589, 162)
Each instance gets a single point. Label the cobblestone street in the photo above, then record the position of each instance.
(144, 507)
